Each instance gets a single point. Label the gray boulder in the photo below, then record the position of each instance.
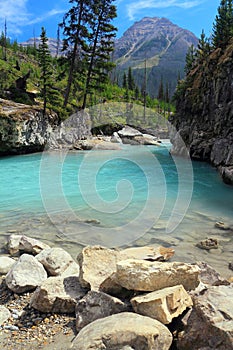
(6, 264)
(123, 331)
(26, 274)
(95, 305)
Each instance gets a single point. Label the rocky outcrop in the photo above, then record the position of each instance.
(204, 117)
(23, 128)
(18, 244)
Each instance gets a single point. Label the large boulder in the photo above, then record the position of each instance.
(6, 264)
(55, 260)
(123, 331)
(93, 275)
(26, 274)
(57, 294)
(164, 304)
(18, 244)
(209, 325)
(142, 275)
(95, 305)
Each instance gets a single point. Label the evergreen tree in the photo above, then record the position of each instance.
(101, 45)
(75, 29)
(223, 26)
(46, 69)
(125, 85)
(167, 94)
(203, 47)
(161, 90)
(131, 83)
(190, 59)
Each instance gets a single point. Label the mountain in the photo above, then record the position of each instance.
(52, 43)
(157, 44)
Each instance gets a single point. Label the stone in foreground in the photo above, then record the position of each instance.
(140, 275)
(209, 325)
(55, 260)
(163, 305)
(57, 294)
(6, 264)
(123, 331)
(26, 274)
(4, 314)
(95, 305)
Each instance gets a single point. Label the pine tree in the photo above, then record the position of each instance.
(131, 83)
(190, 59)
(101, 45)
(44, 57)
(125, 84)
(75, 29)
(203, 47)
(161, 90)
(223, 26)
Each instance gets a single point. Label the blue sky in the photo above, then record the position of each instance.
(26, 17)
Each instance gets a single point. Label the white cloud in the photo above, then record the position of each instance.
(45, 16)
(135, 7)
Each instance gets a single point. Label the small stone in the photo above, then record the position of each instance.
(222, 226)
(6, 264)
(209, 243)
(11, 328)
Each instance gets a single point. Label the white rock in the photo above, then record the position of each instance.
(142, 275)
(164, 304)
(26, 274)
(127, 131)
(57, 294)
(55, 260)
(4, 314)
(6, 264)
(123, 331)
(20, 243)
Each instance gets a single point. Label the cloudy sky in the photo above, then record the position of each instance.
(26, 17)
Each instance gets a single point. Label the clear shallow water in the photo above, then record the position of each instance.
(51, 196)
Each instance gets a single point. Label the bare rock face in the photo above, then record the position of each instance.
(57, 294)
(26, 274)
(6, 264)
(123, 331)
(23, 128)
(22, 244)
(93, 275)
(163, 305)
(140, 275)
(95, 305)
(55, 260)
(209, 325)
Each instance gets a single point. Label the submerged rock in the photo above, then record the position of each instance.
(209, 243)
(123, 331)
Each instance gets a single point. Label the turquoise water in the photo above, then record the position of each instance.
(136, 196)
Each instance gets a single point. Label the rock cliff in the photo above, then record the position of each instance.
(204, 117)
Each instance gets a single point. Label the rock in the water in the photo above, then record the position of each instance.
(163, 305)
(6, 264)
(209, 243)
(96, 264)
(55, 260)
(116, 138)
(127, 131)
(4, 314)
(22, 244)
(95, 305)
(26, 274)
(57, 294)
(209, 325)
(123, 331)
(141, 275)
